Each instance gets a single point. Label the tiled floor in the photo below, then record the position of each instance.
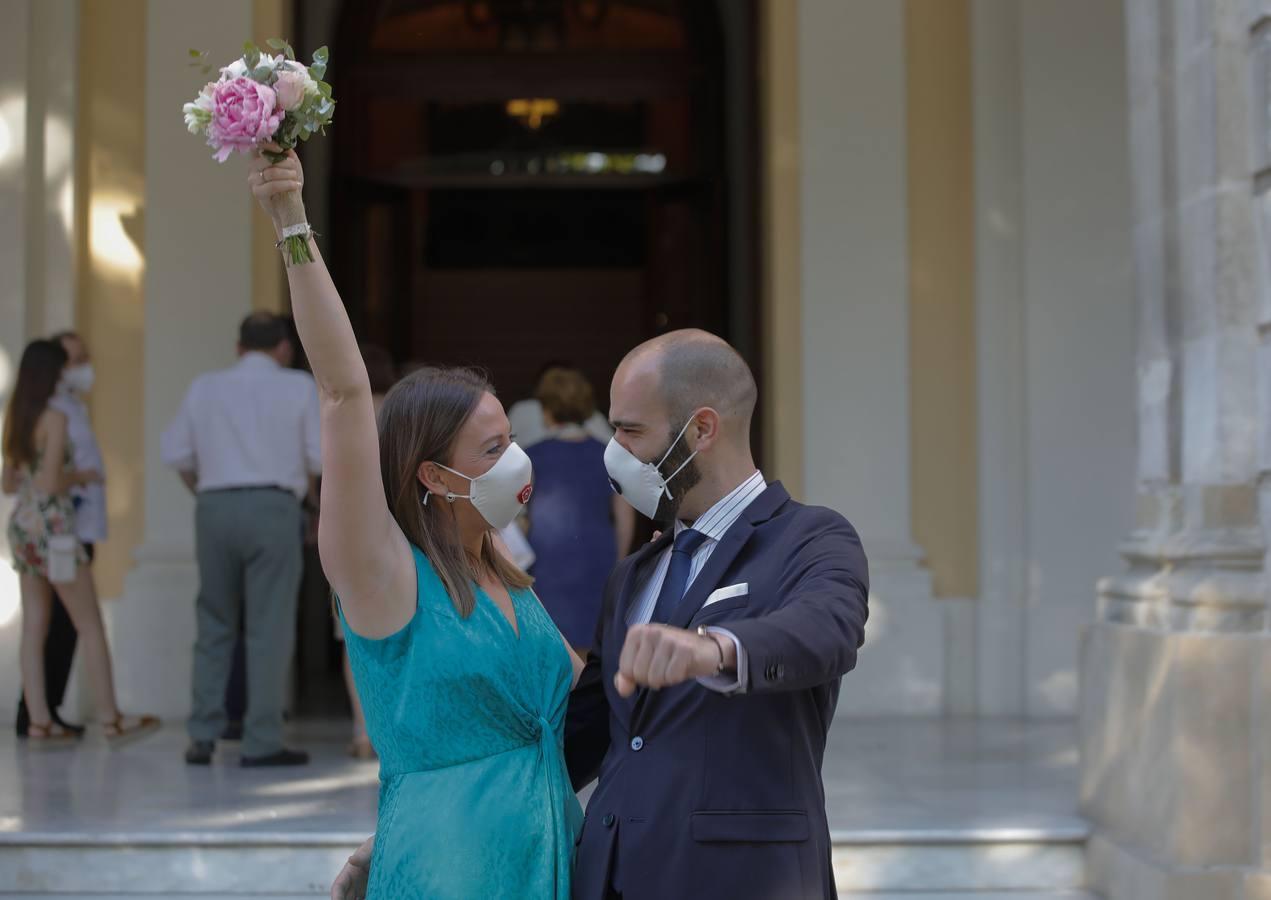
(998, 778)
(922, 805)
(882, 777)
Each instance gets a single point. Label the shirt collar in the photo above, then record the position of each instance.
(254, 359)
(720, 517)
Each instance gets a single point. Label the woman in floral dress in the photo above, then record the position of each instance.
(37, 467)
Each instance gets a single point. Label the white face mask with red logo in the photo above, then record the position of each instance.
(500, 493)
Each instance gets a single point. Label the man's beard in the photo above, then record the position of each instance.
(688, 478)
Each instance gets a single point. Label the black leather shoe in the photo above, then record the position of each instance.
(199, 753)
(281, 758)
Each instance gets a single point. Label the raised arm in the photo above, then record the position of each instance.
(364, 553)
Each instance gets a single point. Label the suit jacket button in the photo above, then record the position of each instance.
(781, 670)
(637, 743)
(609, 820)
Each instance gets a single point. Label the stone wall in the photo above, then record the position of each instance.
(1175, 670)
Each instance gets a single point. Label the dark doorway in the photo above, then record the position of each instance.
(520, 181)
(515, 181)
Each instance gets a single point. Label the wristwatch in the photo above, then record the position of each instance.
(702, 632)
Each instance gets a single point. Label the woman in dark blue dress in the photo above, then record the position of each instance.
(577, 526)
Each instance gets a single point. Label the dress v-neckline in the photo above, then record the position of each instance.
(514, 622)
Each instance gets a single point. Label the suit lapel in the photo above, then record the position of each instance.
(632, 581)
(730, 545)
(723, 556)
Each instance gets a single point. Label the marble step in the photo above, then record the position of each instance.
(172, 864)
(1049, 858)
(926, 895)
(965, 895)
(874, 864)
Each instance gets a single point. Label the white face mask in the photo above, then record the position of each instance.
(641, 483)
(500, 493)
(79, 379)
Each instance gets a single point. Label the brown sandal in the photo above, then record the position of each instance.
(119, 735)
(50, 736)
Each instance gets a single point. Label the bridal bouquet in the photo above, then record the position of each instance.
(265, 99)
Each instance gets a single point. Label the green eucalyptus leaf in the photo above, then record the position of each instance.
(280, 44)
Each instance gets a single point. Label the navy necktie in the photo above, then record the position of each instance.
(687, 543)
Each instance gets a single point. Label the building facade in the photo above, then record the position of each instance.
(987, 232)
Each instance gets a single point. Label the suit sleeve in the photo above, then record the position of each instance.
(812, 636)
(587, 718)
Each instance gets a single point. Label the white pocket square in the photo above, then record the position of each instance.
(724, 593)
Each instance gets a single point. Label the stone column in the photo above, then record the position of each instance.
(13, 306)
(1171, 735)
(855, 334)
(37, 293)
(198, 269)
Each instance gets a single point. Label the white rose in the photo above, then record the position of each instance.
(199, 112)
(236, 69)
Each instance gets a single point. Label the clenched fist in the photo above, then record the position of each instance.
(659, 656)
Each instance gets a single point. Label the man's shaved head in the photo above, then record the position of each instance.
(684, 401)
(696, 369)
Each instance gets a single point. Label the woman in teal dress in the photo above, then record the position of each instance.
(463, 677)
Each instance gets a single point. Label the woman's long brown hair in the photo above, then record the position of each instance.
(38, 375)
(418, 423)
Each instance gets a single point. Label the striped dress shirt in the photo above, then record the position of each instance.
(713, 524)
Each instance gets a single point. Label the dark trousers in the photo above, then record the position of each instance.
(59, 652)
(236, 688)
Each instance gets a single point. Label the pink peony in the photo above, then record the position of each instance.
(244, 114)
(291, 85)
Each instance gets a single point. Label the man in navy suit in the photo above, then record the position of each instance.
(705, 707)
(721, 645)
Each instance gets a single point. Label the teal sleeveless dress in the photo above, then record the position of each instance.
(468, 720)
